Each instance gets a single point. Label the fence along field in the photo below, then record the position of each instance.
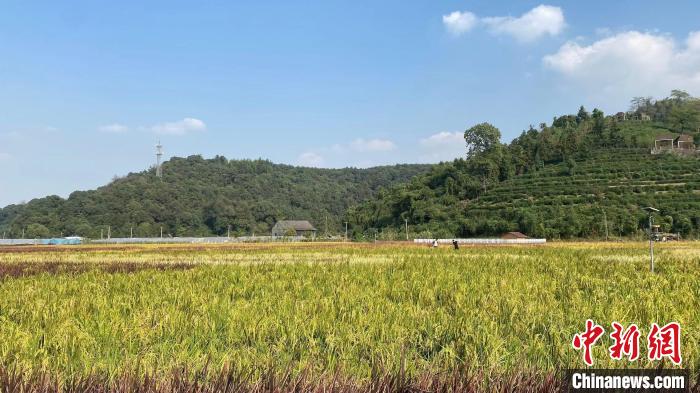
(111, 313)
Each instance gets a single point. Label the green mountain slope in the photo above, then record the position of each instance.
(608, 188)
(571, 179)
(199, 197)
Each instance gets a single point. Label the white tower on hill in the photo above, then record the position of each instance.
(159, 157)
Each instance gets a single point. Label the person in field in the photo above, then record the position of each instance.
(435, 243)
(455, 244)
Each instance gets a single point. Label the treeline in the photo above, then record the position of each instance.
(584, 175)
(205, 197)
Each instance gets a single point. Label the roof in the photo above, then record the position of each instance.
(297, 225)
(518, 235)
(665, 137)
(685, 138)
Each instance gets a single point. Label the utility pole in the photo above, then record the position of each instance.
(22, 233)
(346, 231)
(651, 244)
(651, 211)
(605, 219)
(228, 232)
(109, 232)
(406, 219)
(161, 232)
(132, 232)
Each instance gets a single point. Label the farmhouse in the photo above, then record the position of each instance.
(671, 142)
(637, 116)
(514, 235)
(293, 228)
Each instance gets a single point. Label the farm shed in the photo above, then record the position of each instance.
(514, 235)
(668, 141)
(293, 228)
(620, 116)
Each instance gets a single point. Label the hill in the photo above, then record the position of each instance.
(200, 197)
(570, 179)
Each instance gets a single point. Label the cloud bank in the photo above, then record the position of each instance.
(458, 22)
(360, 152)
(630, 64)
(310, 159)
(442, 146)
(181, 127)
(371, 145)
(538, 22)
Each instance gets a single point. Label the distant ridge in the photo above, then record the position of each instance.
(205, 197)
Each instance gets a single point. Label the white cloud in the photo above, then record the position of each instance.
(113, 128)
(359, 153)
(310, 159)
(630, 64)
(442, 146)
(530, 26)
(539, 21)
(372, 145)
(459, 23)
(181, 127)
(442, 139)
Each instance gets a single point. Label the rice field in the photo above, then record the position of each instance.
(346, 311)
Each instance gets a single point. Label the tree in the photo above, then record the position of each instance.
(145, 229)
(616, 138)
(638, 104)
(37, 231)
(598, 124)
(582, 115)
(485, 169)
(84, 230)
(480, 138)
(680, 95)
(683, 118)
(682, 225)
(570, 166)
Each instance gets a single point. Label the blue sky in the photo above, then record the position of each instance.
(88, 87)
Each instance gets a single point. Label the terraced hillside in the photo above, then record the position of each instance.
(585, 175)
(611, 185)
(591, 195)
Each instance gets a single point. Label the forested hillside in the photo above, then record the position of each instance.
(200, 197)
(581, 176)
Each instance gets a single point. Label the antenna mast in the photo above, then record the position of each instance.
(159, 156)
